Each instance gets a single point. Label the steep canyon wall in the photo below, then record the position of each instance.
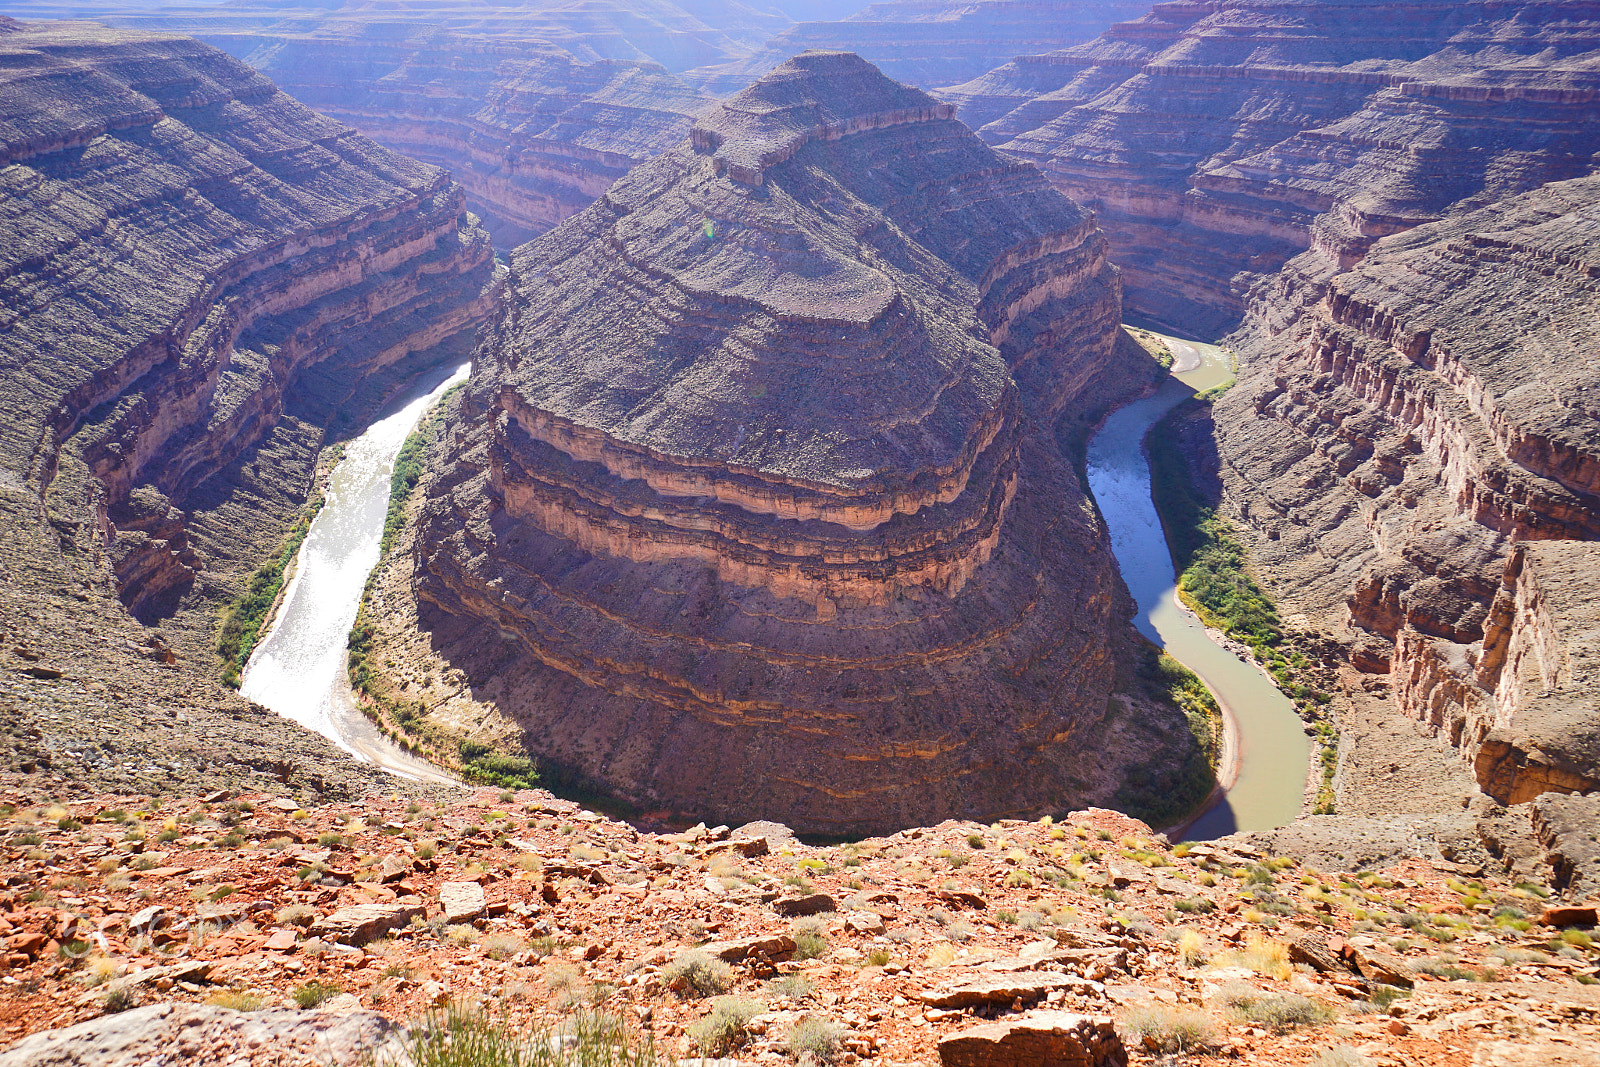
(752, 506)
(1417, 448)
(198, 275)
(1218, 140)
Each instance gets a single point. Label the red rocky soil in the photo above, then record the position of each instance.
(535, 906)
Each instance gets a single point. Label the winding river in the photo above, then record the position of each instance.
(298, 669)
(1265, 750)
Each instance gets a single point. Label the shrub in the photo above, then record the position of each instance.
(237, 1000)
(1170, 1030)
(1192, 947)
(297, 915)
(696, 973)
(724, 1029)
(314, 993)
(502, 946)
(118, 1000)
(817, 1038)
(1277, 1011)
(793, 986)
(456, 1037)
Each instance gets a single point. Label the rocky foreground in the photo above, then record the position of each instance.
(254, 930)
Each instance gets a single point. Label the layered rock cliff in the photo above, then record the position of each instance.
(1218, 140)
(532, 134)
(753, 505)
(1416, 443)
(930, 42)
(197, 275)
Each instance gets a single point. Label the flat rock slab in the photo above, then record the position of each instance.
(188, 971)
(168, 1033)
(365, 922)
(1377, 966)
(1570, 916)
(1005, 989)
(813, 904)
(462, 901)
(745, 947)
(1042, 1039)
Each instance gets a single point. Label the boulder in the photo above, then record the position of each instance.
(1028, 988)
(151, 1035)
(462, 901)
(365, 922)
(811, 904)
(744, 947)
(1042, 1039)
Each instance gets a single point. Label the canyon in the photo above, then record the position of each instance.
(1216, 141)
(928, 42)
(766, 500)
(203, 283)
(814, 504)
(1417, 451)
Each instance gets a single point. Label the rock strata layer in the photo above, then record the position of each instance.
(752, 507)
(1218, 140)
(196, 275)
(930, 42)
(1416, 442)
(530, 132)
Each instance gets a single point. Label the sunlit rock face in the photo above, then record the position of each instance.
(754, 505)
(1217, 140)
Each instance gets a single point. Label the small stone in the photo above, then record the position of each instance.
(281, 941)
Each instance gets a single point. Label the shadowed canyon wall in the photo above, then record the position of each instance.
(197, 275)
(1218, 140)
(753, 505)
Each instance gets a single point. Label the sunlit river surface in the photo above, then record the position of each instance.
(1269, 744)
(298, 670)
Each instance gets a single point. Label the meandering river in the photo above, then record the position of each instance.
(298, 669)
(1266, 750)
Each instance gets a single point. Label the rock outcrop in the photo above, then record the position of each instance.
(930, 42)
(753, 506)
(197, 275)
(531, 133)
(1218, 140)
(1416, 443)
